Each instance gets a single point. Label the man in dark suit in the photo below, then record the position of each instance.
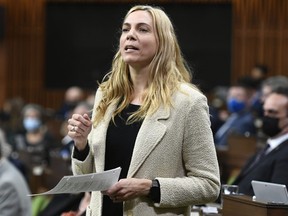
(13, 190)
(270, 165)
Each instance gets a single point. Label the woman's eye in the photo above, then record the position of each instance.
(143, 30)
(124, 30)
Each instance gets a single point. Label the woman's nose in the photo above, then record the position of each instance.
(131, 35)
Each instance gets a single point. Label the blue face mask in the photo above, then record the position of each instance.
(31, 124)
(235, 106)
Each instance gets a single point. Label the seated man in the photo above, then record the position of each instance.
(270, 165)
(13, 190)
(240, 121)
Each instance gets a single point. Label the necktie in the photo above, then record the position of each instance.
(260, 154)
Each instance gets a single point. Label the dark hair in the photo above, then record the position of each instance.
(275, 82)
(281, 90)
(262, 68)
(248, 82)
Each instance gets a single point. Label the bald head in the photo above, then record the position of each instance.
(74, 94)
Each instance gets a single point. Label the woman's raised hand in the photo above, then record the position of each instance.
(79, 126)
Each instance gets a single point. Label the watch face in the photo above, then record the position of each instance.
(155, 183)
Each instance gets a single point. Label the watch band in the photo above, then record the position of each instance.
(154, 193)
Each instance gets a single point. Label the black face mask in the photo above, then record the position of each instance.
(270, 126)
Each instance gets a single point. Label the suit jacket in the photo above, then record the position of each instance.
(13, 191)
(271, 168)
(173, 145)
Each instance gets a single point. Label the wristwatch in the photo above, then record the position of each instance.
(154, 193)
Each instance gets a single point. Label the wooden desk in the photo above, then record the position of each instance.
(241, 205)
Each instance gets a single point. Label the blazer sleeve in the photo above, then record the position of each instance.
(202, 181)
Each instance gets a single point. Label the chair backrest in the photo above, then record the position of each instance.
(50, 175)
(240, 149)
(58, 168)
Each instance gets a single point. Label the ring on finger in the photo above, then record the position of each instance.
(73, 129)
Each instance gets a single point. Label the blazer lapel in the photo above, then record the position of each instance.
(149, 135)
(100, 133)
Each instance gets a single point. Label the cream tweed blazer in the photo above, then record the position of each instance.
(173, 145)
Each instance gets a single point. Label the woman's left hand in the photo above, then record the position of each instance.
(129, 188)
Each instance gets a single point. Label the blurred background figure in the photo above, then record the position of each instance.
(269, 85)
(253, 89)
(33, 146)
(4, 146)
(272, 83)
(68, 204)
(67, 141)
(259, 73)
(90, 99)
(13, 187)
(36, 139)
(217, 107)
(11, 118)
(73, 96)
(240, 120)
(253, 83)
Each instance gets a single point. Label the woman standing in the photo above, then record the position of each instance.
(152, 122)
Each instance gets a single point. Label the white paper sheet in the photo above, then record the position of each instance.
(85, 183)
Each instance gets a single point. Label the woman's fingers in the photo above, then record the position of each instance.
(80, 124)
(126, 189)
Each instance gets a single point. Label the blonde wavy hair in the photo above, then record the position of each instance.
(167, 70)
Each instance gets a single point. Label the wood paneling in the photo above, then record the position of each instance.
(23, 51)
(24, 54)
(260, 35)
(2, 65)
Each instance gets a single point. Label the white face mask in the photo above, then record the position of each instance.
(31, 124)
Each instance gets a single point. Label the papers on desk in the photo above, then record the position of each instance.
(209, 209)
(85, 183)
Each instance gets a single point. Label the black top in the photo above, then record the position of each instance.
(37, 153)
(120, 142)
